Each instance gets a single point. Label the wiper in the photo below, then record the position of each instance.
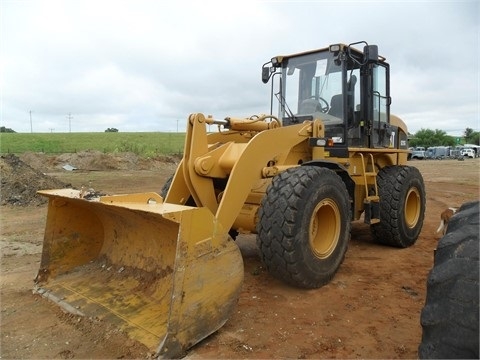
(287, 109)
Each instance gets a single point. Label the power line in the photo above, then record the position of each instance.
(70, 117)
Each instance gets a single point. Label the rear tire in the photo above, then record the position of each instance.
(451, 313)
(402, 206)
(304, 226)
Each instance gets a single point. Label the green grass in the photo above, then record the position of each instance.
(145, 144)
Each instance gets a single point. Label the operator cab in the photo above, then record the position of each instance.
(345, 88)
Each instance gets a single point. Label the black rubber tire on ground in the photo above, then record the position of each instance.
(304, 226)
(402, 206)
(190, 202)
(450, 317)
(218, 184)
(166, 187)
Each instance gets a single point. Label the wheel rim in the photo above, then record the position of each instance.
(412, 207)
(324, 228)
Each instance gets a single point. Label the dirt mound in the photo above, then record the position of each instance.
(93, 160)
(23, 176)
(20, 182)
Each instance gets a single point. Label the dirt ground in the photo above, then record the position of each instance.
(371, 309)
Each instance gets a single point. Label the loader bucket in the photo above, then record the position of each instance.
(168, 275)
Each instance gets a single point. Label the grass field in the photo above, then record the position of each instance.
(146, 144)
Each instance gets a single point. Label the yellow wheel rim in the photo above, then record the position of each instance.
(412, 207)
(324, 230)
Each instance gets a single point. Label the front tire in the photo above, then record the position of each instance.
(402, 206)
(304, 226)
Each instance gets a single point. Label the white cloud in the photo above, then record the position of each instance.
(145, 65)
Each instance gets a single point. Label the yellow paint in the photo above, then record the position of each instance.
(150, 268)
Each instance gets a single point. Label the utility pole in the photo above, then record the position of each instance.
(69, 117)
(31, 126)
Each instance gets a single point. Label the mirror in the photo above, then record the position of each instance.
(265, 74)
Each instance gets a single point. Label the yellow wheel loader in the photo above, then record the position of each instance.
(165, 267)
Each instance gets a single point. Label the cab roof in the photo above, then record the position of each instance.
(342, 47)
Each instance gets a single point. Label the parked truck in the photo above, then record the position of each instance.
(417, 153)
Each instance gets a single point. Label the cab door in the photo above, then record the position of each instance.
(380, 134)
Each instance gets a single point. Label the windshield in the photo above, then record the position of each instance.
(312, 85)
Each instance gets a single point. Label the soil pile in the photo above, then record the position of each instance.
(92, 160)
(21, 177)
(20, 182)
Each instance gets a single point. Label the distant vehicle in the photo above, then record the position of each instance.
(474, 147)
(456, 153)
(417, 153)
(468, 153)
(438, 152)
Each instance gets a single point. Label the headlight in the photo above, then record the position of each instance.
(334, 48)
(277, 61)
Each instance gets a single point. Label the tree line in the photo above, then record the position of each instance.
(428, 138)
(4, 129)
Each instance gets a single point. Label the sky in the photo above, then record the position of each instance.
(138, 65)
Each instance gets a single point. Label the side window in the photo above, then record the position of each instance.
(353, 88)
(380, 99)
(293, 89)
